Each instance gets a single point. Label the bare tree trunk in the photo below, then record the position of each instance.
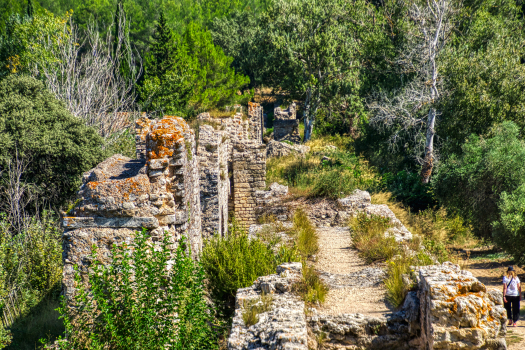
(308, 119)
(428, 162)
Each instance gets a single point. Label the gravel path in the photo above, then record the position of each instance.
(355, 287)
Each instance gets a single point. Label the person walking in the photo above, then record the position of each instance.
(512, 295)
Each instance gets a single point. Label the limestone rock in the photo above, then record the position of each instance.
(282, 149)
(283, 326)
(457, 312)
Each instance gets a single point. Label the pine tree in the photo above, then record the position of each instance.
(161, 48)
(30, 9)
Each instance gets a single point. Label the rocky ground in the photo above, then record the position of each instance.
(355, 287)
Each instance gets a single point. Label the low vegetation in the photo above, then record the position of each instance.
(135, 297)
(254, 307)
(368, 237)
(235, 261)
(311, 288)
(312, 176)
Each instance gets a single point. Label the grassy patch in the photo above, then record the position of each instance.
(368, 237)
(439, 231)
(307, 237)
(254, 307)
(310, 176)
(310, 288)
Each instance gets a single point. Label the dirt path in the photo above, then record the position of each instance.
(489, 272)
(355, 287)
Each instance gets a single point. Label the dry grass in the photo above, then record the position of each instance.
(368, 237)
(433, 225)
(254, 307)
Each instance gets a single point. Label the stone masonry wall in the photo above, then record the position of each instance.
(213, 154)
(249, 176)
(286, 125)
(255, 116)
(121, 196)
(245, 155)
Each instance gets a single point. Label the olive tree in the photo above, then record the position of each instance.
(313, 51)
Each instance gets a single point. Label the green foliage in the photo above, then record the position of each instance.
(472, 183)
(307, 239)
(509, 230)
(368, 236)
(396, 285)
(55, 146)
(188, 72)
(311, 288)
(31, 42)
(407, 188)
(146, 298)
(30, 275)
(312, 50)
(484, 72)
(235, 261)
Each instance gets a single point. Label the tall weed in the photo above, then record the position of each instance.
(311, 288)
(306, 236)
(146, 298)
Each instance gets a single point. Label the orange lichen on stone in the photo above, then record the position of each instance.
(164, 137)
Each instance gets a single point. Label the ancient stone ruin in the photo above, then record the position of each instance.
(286, 124)
(188, 181)
(180, 183)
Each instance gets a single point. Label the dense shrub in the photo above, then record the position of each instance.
(509, 231)
(30, 276)
(145, 298)
(235, 261)
(473, 182)
(55, 146)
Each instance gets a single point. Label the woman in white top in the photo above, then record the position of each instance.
(512, 295)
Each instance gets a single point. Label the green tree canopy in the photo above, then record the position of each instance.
(55, 146)
(473, 182)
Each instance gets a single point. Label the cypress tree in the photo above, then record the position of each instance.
(30, 9)
(161, 48)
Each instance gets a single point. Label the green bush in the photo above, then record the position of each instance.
(509, 231)
(145, 298)
(30, 276)
(473, 182)
(368, 237)
(235, 261)
(55, 146)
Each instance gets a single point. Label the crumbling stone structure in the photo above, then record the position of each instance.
(158, 191)
(286, 125)
(233, 167)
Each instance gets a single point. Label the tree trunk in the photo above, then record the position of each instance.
(308, 120)
(428, 162)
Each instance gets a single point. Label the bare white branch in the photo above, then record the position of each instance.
(89, 76)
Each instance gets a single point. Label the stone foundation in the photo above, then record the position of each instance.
(286, 125)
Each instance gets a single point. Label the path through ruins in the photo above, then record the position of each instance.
(355, 287)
